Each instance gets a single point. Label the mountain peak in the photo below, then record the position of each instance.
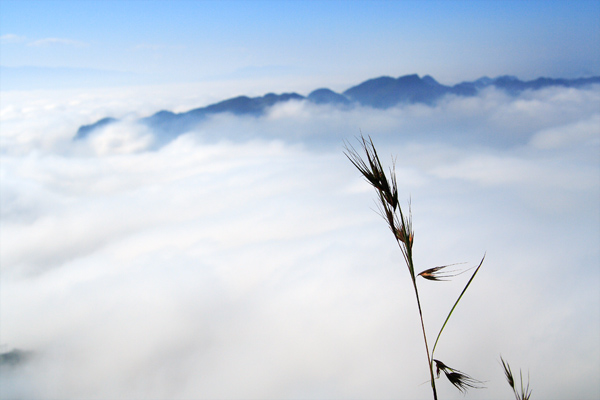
(327, 96)
(428, 79)
(382, 92)
(409, 78)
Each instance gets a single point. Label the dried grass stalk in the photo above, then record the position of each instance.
(525, 392)
(401, 226)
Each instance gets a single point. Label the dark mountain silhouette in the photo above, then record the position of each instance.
(85, 130)
(514, 86)
(387, 92)
(383, 92)
(327, 96)
(170, 124)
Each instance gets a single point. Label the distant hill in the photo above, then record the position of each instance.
(382, 93)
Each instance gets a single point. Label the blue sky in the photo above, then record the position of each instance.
(330, 41)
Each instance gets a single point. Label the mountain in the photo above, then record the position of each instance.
(383, 92)
(85, 130)
(328, 96)
(170, 124)
(514, 86)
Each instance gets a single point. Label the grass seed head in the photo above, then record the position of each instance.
(460, 380)
(438, 273)
(508, 373)
(525, 392)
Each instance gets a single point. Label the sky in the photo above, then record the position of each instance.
(313, 42)
(245, 259)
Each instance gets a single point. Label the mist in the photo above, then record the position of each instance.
(244, 259)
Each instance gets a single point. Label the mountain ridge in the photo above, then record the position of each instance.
(381, 93)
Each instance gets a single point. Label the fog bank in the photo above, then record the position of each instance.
(244, 258)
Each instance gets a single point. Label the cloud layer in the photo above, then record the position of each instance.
(244, 260)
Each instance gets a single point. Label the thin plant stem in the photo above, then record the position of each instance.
(454, 306)
(429, 362)
(409, 262)
(401, 227)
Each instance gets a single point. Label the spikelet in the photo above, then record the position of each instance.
(460, 380)
(525, 393)
(437, 273)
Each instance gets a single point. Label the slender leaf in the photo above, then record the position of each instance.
(455, 304)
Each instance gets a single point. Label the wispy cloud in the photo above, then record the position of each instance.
(56, 41)
(12, 38)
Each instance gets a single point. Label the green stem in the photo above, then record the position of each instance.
(414, 281)
(429, 360)
(453, 307)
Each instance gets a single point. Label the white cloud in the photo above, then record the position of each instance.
(122, 138)
(244, 260)
(52, 41)
(586, 133)
(12, 38)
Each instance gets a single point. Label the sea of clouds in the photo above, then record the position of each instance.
(244, 259)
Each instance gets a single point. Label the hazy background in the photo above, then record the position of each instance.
(255, 266)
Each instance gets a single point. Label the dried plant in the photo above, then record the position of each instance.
(525, 393)
(462, 381)
(436, 273)
(401, 226)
